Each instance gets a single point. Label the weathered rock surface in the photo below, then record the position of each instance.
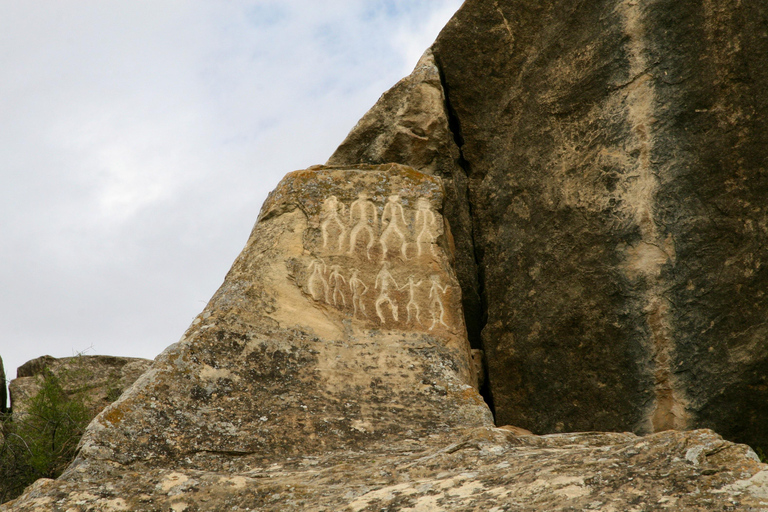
(338, 329)
(616, 153)
(410, 125)
(98, 380)
(482, 469)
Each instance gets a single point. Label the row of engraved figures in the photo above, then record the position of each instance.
(328, 284)
(363, 226)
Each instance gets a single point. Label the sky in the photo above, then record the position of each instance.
(139, 139)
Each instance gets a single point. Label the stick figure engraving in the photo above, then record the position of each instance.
(355, 285)
(428, 226)
(393, 212)
(383, 282)
(364, 222)
(331, 220)
(435, 302)
(317, 284)
(337, 279)
(411, 297)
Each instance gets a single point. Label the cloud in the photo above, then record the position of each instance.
(140, 139)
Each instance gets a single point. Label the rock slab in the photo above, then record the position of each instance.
(98, 380)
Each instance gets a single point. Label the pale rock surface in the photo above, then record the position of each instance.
(410, 125)
(482, 469)
(98, 380)
(337, 333)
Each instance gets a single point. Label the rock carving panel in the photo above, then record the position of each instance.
(375, 258)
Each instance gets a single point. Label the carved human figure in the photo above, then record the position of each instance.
(317, 284)
(436, 303)
(412, 305)
(385, 281)
(426, 224)
(394, 216)
(332, 221)
(366, 218)
(337, 280)
(358, 288)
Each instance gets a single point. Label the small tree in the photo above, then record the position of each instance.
(42, 441)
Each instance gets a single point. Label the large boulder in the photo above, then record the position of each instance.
(616, 161)
(96, 380)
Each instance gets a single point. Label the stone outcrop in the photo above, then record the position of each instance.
(482, 469)
(615, 155)
(339, 329)
(585, 181)
(97, 380)
(332, 371)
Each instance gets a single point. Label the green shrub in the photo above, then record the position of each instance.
(42, 441)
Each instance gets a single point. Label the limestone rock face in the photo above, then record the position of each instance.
(339, 329)
(339, 325)
(410, 125)
(99, 380)
(617, 154)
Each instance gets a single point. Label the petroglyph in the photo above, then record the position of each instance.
(412, 305)
(338, 281)
(358, 288)
(384, 280)
(317, 284)
(363, 206)
(332, 221)
(436, 307)
(394, 214)
(427, 229)
(366, 246)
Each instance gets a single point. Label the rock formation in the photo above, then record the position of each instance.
(584, 183)
(98, 380)
(332, 371)
(612, 156)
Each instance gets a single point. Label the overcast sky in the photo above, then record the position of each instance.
(140, 137)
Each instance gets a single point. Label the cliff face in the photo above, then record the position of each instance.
(609, 168)
(616, 157)
(577, 188)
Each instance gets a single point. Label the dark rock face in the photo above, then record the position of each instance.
(3, 392)
(617, 157)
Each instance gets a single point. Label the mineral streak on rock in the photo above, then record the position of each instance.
(616, 153)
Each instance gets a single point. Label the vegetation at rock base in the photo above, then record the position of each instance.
(41, 441)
